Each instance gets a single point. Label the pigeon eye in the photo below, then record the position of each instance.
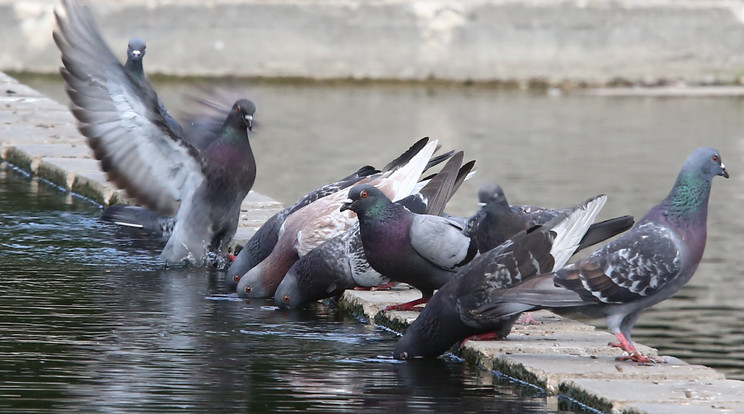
(364, 194)
(248, 289)
(236, 278)
(715, 158)
(286, 299)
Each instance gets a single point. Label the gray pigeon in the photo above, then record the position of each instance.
(142, 154)
(641, 268)
(497, 221)
(340, 263)
(449, 317)
(419, 249)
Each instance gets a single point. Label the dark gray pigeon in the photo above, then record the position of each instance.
(340, 263)
(641, 268)
(142, 154)
(497, 221)
(448, 318)
(421, 250)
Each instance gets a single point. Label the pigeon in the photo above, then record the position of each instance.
(497, 221)
(639, 269)
(142, 154)
(449, 316)
(419, 249)
(312, 225)
(340, 263)
(136, 49)
(263, 241)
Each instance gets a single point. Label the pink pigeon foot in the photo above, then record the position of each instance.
(408, 306)
(633, 354)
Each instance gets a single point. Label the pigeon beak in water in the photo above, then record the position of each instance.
(249, 121)
(346, 205)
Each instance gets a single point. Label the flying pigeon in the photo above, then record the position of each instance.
(419, 249)
(340, 263)
(448, 317)
(141, 153)
(641, 268)
(497, 221)
(321, 220)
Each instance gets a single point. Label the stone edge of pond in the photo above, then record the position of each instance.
(572, 360)
(39, 136)
(561, 356)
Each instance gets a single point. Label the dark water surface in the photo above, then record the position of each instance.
(552, 149)
(90, 323)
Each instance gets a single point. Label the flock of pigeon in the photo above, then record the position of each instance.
(374, 227)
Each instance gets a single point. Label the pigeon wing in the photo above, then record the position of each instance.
(439, 240)
(634, 266)
(122, 120)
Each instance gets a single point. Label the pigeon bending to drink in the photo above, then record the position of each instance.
(129, 133)
(450, 315)
(641, 268)
(419, 249)
(497, 221)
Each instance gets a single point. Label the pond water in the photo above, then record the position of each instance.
(89, 322)
(552, 149)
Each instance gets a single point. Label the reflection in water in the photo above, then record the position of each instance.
(90, 322)
(544, 149)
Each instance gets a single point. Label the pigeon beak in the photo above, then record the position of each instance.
(249, 121)
(346, 205)
(481, 205)
(723, 172)
(136, 53)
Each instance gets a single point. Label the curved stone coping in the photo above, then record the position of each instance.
(572, 360)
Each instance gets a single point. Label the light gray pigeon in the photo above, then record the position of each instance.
(641, 268)
(141, 153)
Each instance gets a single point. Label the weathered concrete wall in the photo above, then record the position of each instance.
(594, 41)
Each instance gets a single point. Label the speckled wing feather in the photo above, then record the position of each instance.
(123, 121)
(633, 266)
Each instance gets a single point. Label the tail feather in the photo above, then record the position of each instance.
(157, 225)
(599, 232)
(571, 230)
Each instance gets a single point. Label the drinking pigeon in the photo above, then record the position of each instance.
(641, 268)
(449, 316)
(141, 153)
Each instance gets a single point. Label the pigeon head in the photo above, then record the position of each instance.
(245, 109)
(707, 161)
(250, 285)
(689, 196)
(288, 294)
(491, 193)
(136, 48)
(364, 199)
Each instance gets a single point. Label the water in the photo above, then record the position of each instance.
(551, 149)
(89, 322)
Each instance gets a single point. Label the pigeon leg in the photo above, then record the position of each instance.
(527, 319)
(490, 336)
(633, 354)
(408, 306)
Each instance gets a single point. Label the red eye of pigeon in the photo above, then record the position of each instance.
(715, 158)
(363, 194)
(236, 278)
